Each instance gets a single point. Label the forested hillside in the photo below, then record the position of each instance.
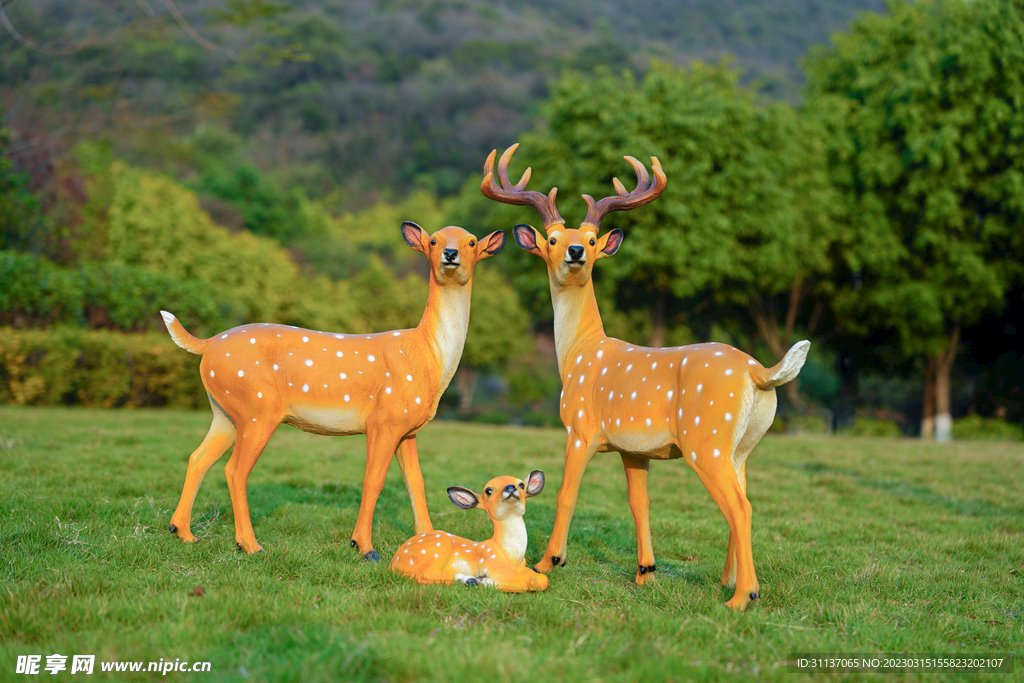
(357, 100)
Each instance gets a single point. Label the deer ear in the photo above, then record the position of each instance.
(609, 244)
(534, 483)
(492, 244)
(463, 497)
(526, 237)
(414, 236)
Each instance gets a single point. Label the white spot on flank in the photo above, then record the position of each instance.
(680, 413)
(729, 371)
(224, 336)
(346, 398)
(582, 377)
(339, 336)
(751, 362)
(718, 353)
(227, 355)
(254, 419)
(211, 373)
(604, 370)
(696, 420)
(684, 360)
(633, 395)
(309, 363)
(653, 365)
(339, 354)
(579, 414)
(579, 358)
(693, 454)
(417, 400)
(610, 393)
(408, 378)
(387, 390)
(305, 387)
(568, 429)
(600, 354)
(711, 403)
(578, 443)
(670, 394)
(370, 358)
(241, 373)
(253, 340)
(259, 394)
(629, 367)
(395, 334)
(716, 451)
(618, 422)
(728, 416)
(699, 387)
(275, 366)
(305, 339)
(343, 376)
(648, 422)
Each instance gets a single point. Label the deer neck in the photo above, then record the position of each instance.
(577, 320)
(510, 537)
(444, 325)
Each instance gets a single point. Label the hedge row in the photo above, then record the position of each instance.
(96, 368)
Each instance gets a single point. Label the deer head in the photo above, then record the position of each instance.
(569, 253)
(503, 497)
(452, 251)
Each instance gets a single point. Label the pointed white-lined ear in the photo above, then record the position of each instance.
(526, 237)
(414, 236)
(463, 497)
(609, 244)
(534, 483)
(492, 244)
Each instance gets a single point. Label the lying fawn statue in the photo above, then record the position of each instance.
(498, 562)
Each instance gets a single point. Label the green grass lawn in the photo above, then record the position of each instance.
(861, 545)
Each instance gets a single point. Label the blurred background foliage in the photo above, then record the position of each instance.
(251, 160)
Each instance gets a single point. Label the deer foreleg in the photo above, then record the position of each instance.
(381, 444)
(637, 470)
(409, 461)
(577, 457)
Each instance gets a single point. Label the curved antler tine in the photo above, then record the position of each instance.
(525, 179)
(620, 189)
(503, 164)
(643, 180)
(489, 164)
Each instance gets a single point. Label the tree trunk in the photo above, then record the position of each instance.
(465, 382)
(657, 339)
(943, 367)
(928, 404)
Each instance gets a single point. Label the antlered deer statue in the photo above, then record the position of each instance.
(385, 385)
(706, 403)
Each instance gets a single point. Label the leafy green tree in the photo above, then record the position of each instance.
(20, 213)
(932, 162)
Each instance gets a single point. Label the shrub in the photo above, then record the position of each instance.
(97, 368)
(873, 426)
(976, 428)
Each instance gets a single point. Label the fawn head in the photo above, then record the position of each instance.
(452, 251)
(503, 497)
(569, 253)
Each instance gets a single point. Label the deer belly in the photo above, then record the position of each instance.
(655, 441)
(331, 421)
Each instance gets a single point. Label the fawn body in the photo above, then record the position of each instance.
(441, 558)
(385, 385)
(708, 404)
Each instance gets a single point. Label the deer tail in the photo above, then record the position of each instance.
(181, 336)
(785, 370)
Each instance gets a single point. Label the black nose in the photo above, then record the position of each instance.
(510, 488)
(450, 254)
(575, 253)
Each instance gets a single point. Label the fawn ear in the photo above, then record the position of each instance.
(414, 236)
(492, 244)
(526, 237)
(463, 497)
(534, 483)
(609, 244)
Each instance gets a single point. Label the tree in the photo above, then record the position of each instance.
(932, 164)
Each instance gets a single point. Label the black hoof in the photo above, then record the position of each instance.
(238, 547)
(472, 582)
(648, 569)
(755, 596)
(352, 544)
(372, 556)
(173, 529)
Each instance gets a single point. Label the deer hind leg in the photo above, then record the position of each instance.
(218, 440)
(637, 470)
(723, 483)
(409, 461)
(729, 573)
(577, 457)
(251, 440)
(381, 444)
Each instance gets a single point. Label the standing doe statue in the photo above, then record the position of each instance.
(706, 403)
(385, 385)
(497, 562)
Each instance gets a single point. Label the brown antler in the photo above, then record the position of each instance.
(645, 192)
(507, 193)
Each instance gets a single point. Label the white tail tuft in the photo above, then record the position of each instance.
(787, 369)
(181, 337)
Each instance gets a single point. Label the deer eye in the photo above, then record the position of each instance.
(433, 242)
(592, 242)
(520, 484)
(552, 241)
(489, 491)
(472, 243)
